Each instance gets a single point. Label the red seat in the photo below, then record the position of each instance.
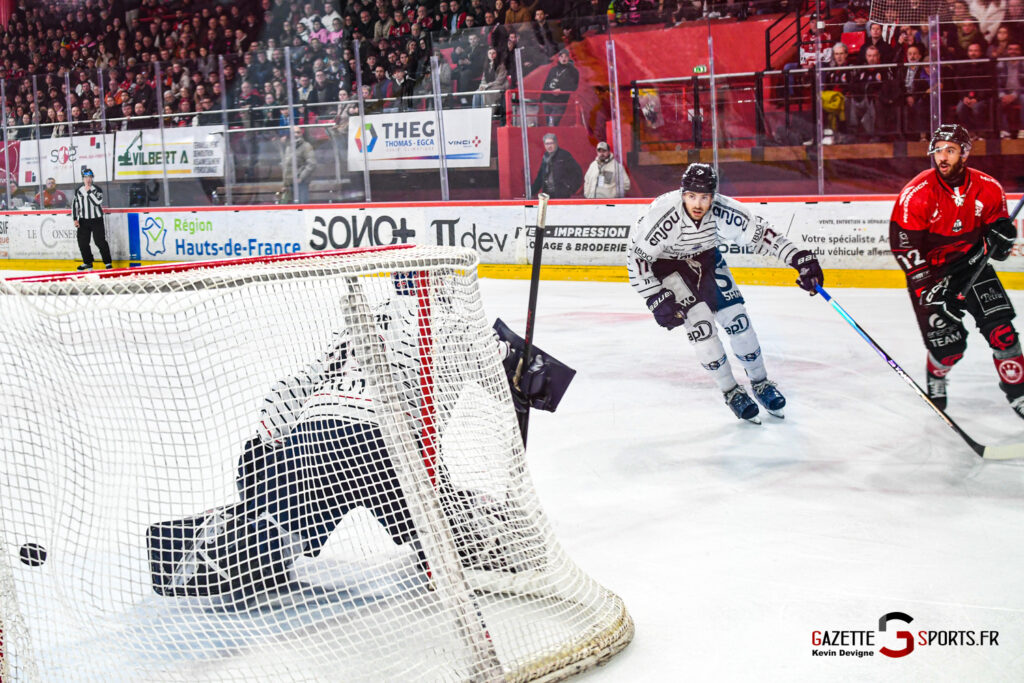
(854, 40)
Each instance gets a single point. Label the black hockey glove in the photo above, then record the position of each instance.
(1000, 239)
(808, 270)
(942, 298)
(666, 309)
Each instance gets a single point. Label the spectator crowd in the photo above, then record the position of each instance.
(877, 79)
(85, 65)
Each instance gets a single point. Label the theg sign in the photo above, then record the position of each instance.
(409, 140)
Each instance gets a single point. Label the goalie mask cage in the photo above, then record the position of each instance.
(409, 544)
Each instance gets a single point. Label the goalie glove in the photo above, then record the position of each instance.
(1000, 239)
(667, 311)
(809, 275)
(543, 383)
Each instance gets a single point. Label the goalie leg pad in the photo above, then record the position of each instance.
(219, 552)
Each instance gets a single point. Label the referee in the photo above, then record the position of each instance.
(87, 212)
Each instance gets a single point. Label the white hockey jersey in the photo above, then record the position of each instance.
(665, 231)
(335, 386)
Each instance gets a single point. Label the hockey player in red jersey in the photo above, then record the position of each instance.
(944, 223)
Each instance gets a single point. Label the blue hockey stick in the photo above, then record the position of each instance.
(1007, 452)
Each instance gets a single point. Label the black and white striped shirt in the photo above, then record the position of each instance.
(87, 204)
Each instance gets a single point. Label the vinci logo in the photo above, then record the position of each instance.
(152, 228)
(371, 133)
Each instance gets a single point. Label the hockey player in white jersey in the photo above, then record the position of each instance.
(675, 264)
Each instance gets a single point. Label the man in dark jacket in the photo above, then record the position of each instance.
(562, 80)
(559, 175)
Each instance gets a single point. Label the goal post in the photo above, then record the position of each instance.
(293, 468)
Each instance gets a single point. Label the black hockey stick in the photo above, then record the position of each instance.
(1007, 452)
(962, 294)
(531, 307)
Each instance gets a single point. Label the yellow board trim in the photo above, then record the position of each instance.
(885, 279)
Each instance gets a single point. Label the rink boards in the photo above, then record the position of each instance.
(584, 239)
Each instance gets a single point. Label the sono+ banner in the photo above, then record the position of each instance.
(190, 152)
(406, 140)
(842, 234)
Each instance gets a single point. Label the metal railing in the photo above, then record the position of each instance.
(666, 121)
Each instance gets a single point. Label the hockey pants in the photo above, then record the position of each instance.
(945, 337)
(707, 277)
(325, 469)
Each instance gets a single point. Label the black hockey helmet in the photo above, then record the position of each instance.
(87, 172)
(950, 132)
(700, 178)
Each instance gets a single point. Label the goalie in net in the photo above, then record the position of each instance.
(318, 453)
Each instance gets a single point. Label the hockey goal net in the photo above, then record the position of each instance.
(297, 468)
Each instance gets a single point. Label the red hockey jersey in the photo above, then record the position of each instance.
(934, 225)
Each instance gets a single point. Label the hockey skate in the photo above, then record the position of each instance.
(741, 404)
(937, 391)
(1018, 406)
(770, 397)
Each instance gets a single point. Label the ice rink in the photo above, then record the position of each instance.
(732, 543)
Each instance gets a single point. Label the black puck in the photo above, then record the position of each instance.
(33, 554)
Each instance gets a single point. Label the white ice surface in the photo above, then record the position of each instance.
(730, 543)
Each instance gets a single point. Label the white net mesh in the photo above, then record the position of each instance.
(915, 12)
(299, 469)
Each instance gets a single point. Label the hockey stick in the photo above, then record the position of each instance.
(962, 294)
(531, 308)
(1007, 452)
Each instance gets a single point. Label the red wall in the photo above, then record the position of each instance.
(510, 154)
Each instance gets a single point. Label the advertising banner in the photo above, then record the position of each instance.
(201, 236)
(190, 152)
(44, 236)
(844, 235)
(841, 234)
(63, 159)
(852, 235)
(10, 159)
(406, 140)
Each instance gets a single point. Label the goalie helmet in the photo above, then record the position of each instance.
(700, 178)
(950, 132)
(406, 284)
